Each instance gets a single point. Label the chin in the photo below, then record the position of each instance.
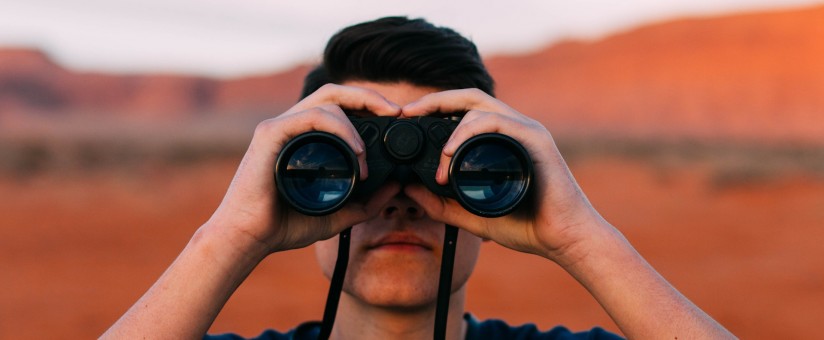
(404, 299)
(405, 283)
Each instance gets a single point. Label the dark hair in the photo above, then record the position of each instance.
(394, 49)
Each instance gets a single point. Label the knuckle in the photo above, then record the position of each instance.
(314, 115)
(530, 123)
(328, 87)
(365, 91)
(471, 115)
(474, 96)
(266, 126)
(373, 93)
(306, 119)
(475, 92)
(321, 94)
(369, 96)
(333, 110)
(494, 117)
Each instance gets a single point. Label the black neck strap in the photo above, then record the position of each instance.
(336, 286)
(450, 241)
(444, 283)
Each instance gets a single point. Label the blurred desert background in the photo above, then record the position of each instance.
(701, 139)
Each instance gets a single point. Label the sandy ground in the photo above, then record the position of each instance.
(77, 251)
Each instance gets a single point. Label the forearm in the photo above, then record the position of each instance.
(640, 301)
(186, 299)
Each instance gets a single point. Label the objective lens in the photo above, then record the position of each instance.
(490, 174)
(318, 173)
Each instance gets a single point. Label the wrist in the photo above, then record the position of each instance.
(226, 243)
(607, 256)
(594, 241)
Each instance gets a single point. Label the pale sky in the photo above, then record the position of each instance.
(228, 38)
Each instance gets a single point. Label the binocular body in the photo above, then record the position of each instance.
(317, 173)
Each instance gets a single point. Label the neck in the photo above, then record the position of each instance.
(357, 320)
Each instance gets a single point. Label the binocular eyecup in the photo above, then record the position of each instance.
(489, 175)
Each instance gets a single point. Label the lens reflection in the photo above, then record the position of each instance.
(318, 176)
(490, 177)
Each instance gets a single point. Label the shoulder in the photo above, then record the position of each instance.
(497, 329)
(306, 330)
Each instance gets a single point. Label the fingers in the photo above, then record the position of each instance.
(483, 114)
(323, 110)
(453, 101)
(522, 129)
(274, 133)
(478, 122)
(355, 212)
(350, 98)
(447, 210)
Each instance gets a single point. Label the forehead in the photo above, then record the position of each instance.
(400, 93)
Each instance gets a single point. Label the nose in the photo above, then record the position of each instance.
(402, 207)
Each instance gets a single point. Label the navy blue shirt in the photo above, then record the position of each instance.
(476, 330)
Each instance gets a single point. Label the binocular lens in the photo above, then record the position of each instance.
(317, 175)
(490, 174)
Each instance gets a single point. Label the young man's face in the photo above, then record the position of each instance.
(395, 258)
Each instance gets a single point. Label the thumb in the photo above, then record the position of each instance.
(355, 212)
(447, 210)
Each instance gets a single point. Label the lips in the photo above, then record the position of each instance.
(400, 241)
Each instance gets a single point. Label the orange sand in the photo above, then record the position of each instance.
(76, 252)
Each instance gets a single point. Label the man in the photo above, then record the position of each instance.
(407, 68)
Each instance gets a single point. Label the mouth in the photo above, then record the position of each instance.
(400, 242)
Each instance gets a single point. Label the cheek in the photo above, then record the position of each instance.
(326, 252)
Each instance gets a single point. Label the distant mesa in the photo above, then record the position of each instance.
(752, 77)
(756, 77)
(32, 84)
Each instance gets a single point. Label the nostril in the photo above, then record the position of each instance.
(402, 211)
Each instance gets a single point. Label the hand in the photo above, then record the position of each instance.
(251, 222)
(561, 217)
(252, 207)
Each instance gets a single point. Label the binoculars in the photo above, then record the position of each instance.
(317, 173)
